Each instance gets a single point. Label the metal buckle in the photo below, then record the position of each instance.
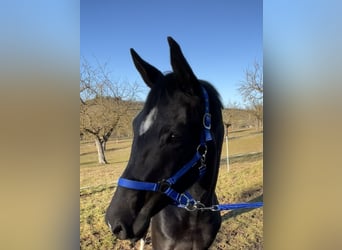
(207, 121)
(194, 205)
(191, 206)
(189, 203)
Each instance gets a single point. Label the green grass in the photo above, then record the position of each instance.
(241, 229)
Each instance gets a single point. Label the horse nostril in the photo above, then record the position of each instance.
(120, 231)
(117, 229)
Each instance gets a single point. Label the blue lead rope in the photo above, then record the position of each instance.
(186, 201)
(222, 207)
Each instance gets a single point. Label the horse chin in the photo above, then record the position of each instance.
(142, 221)
(140, 227)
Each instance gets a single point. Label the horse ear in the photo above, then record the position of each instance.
(180, 66)
(149, 73)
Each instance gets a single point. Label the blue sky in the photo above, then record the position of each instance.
(220, 39)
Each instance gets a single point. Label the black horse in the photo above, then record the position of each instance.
(173, 126)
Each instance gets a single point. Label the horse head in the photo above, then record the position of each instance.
(167, 133)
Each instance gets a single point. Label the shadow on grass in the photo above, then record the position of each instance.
(107, 150)
(251, 193)
(236, 212)
(245, 135)
(254, 156)
(117, 162)
(88, 163)
(97, 164)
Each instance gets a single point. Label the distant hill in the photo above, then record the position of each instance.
(238, 118)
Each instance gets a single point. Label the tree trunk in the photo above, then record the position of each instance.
(100, 151)
(104, 143)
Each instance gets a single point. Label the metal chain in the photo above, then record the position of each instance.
(198, 206)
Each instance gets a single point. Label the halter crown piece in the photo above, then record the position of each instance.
(185, 200)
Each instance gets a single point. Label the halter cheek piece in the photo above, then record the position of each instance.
(185, 200)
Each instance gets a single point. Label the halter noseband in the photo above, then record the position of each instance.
(183, 200)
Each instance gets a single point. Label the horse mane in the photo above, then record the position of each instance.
(214, 95)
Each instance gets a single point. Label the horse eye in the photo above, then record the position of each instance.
(172, 137)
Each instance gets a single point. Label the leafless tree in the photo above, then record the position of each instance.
(103, 104)
(238, 117)
(252, 89)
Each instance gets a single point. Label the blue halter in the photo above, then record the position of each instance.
(185, 200)
(165, 186)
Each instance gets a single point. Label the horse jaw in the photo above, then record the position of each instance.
(142, 222)
(140, 227)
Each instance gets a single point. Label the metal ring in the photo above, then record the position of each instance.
(205, 147)
(199, 205)
(190, 205)
(207, 121)
(215, 208)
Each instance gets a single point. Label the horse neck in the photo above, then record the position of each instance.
(204, 189)
(214, 156)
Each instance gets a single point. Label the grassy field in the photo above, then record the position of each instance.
(241, 229)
